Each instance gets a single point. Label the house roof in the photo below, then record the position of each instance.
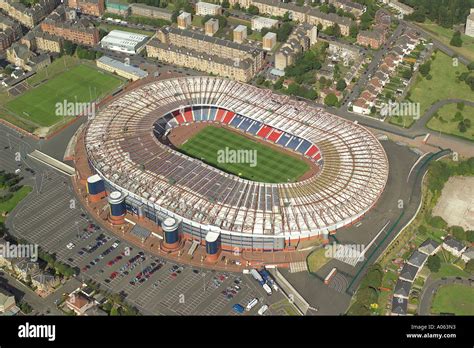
(428, 246)
(79, 300)
(469, 253)
(453, 243)
(409, 272)
(417, 258)
(399, 305)
(402, 288)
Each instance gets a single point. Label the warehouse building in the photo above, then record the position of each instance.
(122, 69)
(123, 41)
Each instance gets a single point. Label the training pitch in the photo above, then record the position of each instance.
(80, 84)
(222, 149)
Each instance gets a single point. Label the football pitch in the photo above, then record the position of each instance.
(80, 84)
(246, 158)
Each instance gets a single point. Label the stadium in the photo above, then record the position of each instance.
(136, 148)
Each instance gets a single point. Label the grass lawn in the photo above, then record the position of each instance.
(317, 259)
(443, 85)
(284, 306)
(454, 298)
(445, 123)
(82, 82)
(449, 270)
(9, 205)
(55, 68)
(444, 35)
(270, 166)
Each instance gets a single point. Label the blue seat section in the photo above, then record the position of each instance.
(294, 142)
(236, 121)
(304, 146)
(197, 113)
(212, 114)
(283, 139)
(205, 113)
(255, 127)
(245, 124)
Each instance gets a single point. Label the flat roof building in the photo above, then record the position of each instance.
(184, 20)
(240, 33)
(269, 41)
(205, 8)
(258, 23)
(122, 69)
(123, 41)
(211, 26)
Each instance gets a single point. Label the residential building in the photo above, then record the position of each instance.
(90, 7)
(468, 255)
(417, 259)
(399, 306)
(45, 282)
(49, 43)
(211, 26)
(205, 8)
(184, 20)
(343, 52)
(7, 301)
(372, 38)
(213, 46)
(28, 16)
(123, 41)
(402, 289)
(29, 40)
(150, 12)
(302, 14)
(429, 247)
(300, 40)
(453, 245)
(269, 41)
(95, 312)
(240, 33)
(79, 303)
(121, 69)
(349, 6)
(470, 24)
(398, 6)
(10, 31)
(237, 69)
(80, 31)
(258, 23)
(409, 272)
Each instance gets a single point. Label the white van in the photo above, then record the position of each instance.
(262, 309)
(251, 304)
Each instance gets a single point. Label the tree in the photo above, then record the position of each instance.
(69, 47)
(470, 66)
(456, 39)
(460, 106)
(425, 68)
(434, 263)
(469, 266)
(353, 30)
(341, 85)
(457, 232)
(367, 295)
(470, 236)
(331, 100)
(225, 4)
(438, 222)
(253, 10)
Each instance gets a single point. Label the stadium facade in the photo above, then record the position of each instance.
(125, 149)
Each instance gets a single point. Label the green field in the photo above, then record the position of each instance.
(82, 83)
(454, 298)
(446, 122)
(445, 34)
(443, 85)
(9, 205)
(270, 166)
(317, 259)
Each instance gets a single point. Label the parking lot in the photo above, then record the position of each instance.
(52, 217)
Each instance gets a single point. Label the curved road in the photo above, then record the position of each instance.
(431, 287)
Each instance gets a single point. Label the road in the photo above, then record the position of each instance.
(432, 286)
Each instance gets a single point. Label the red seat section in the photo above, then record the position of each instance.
(263, 132)
(275, 135)
(188, 115)
(220, 115)
(179, 117)
(311, 151)
(317, 157)
(228, 117)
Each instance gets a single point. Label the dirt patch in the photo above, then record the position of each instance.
(456, 204)
(179, 135)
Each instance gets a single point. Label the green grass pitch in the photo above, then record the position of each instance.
(82, 82)
(271, 166)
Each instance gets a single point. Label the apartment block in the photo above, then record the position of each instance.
(90, 7)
